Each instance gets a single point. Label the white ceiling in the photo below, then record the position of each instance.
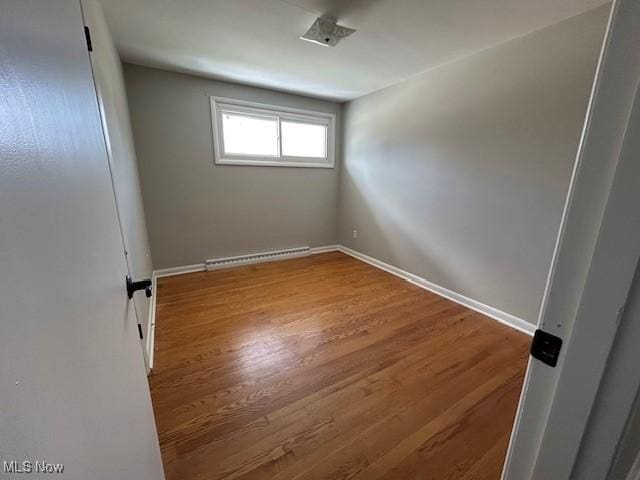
(256, 41)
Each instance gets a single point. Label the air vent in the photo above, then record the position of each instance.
(218, 263)
(325, 31)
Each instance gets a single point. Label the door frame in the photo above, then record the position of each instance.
(593, 266)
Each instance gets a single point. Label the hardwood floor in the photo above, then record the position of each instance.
(328, 368)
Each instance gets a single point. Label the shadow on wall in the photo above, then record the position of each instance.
(460, 175)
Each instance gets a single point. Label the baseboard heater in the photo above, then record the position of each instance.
(227, 262)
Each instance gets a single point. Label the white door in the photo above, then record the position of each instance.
(73, 388)
(112, 100)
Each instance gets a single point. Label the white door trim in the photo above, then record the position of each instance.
(592, 270)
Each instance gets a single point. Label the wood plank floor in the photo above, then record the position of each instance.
(328, 368)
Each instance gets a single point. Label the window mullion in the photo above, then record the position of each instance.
(279, 131)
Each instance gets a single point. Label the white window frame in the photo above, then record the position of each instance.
(280, 114)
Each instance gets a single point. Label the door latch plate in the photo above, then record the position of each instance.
(546, 347)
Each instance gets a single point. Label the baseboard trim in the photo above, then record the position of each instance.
(151, 327)
(151, 323)
(502, 317)
(325, 249)
(170, 272)
(197, 267)
(201, 267)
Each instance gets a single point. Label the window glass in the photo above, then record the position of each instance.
(303, 139)
(250, 135)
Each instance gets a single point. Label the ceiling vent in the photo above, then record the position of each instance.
(325, 31)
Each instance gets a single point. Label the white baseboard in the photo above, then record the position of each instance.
(201, 267)
(325, 249)
(503, 317)
(151, 326)
(170, 272)
(151, 323)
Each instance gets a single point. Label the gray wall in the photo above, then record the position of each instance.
(197, 210)
(459, 175)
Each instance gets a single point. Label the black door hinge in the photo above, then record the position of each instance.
(87, 35)
(140, 332)
(546, 347)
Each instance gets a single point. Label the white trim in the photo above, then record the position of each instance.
(503, 317)
(151, 327)
(593, 271)
(201, 267)
(279, 114)
(170, 272)
(270, 107)
(325, 249)
(151, 323)
(269, 163)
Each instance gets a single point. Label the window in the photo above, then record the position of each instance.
(254, 134)
(238, 128)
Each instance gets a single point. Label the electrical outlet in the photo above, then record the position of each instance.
(355, 234)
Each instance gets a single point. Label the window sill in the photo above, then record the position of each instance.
(271, 163)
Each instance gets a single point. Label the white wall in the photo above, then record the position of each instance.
(459, 175)
(197, 210)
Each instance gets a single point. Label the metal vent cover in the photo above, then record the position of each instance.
(218, 263)
(325, 31)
